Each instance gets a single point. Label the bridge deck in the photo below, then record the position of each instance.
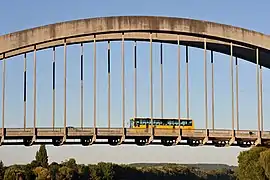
(107, 133)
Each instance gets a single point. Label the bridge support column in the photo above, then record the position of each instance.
(205, 94)
(123, 83)
(259, 139)
(3, 98)
(213, 91)
(232, 87)
(35, 96)
(178, 89)
(161, 81)
(95, 93)
(65, 94)
(81, 94)
(53, 89)
(261, 98)
(109, 85)
(237, 93)
(24, 93)
(187, 84)
(151, 92)
(135, 80)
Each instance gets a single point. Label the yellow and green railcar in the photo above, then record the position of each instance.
(161, 123)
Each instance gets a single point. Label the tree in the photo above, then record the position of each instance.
(105, 170)
(249, 167)
(42, 157)
(54, 170)
(71, 163)
(13, 173)
(29, 174)
(65, 173)
(84, 172)
(265, 162)
(42, 173)
(2, 170)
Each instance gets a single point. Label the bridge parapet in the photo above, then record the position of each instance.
(109, 131)
(138, 132)
(220, 133)
(80, 132)
(50, 132)
(193, 133)
(266, 134)
(246, 134)
(167, 132)
(14, 132)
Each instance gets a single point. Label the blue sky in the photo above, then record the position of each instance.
(18, 15)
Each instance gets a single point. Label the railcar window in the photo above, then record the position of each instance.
(186, 123)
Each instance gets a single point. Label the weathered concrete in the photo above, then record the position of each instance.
(55, 34)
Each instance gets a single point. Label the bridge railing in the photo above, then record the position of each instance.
(266, 134)
(13, 132)
(80, 132)
(47, 132)
(138, 132)
(220, 133)
(246, 134)
(89, 131)
(110, 131)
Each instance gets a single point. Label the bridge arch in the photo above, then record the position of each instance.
(164, 29)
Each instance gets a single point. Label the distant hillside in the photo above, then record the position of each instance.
(206, 167)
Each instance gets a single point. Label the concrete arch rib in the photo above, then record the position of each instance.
(107, 28)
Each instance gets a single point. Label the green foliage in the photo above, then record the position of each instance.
(54, 169)
(105, 170)
(65, 173)
(13, 173)
(2, 170)
(84, 172)
(42, 157)
(28, 171)
(264, 161)
(39, 169)
(249, 167)
(70, 170)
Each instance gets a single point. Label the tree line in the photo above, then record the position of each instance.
(254, 164)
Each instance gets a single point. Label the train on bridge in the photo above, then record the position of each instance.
(162, 123)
